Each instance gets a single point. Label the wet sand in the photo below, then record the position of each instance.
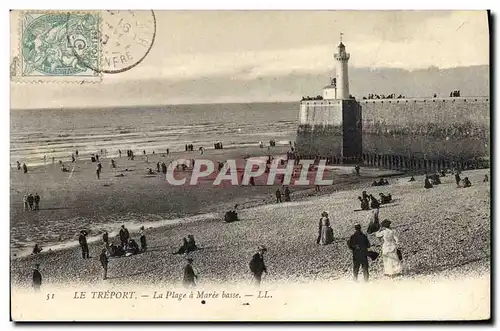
(78, 200)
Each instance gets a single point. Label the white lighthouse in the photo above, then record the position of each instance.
(339, 86)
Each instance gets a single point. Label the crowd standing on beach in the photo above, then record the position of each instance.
(31, 202)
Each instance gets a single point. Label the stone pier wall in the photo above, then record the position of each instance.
(436, 130)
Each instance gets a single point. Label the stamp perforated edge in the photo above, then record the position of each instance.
(16, 55)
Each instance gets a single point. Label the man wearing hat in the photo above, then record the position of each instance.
(257, 266)
(37, 278)
(189, 275)
(359, 244)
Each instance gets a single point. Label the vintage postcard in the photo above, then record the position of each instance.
(250, 165)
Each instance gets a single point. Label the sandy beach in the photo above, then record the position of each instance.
(442, 230)
(78, 200)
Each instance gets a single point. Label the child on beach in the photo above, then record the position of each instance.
(36, 250)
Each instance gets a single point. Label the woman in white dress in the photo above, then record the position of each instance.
(325, 235)
(392, 264)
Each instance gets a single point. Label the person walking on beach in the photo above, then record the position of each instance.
(105, 238)
(31, 200)
(278, 195)
(325, 231)
(103, 258)
(37, 278)
(37, 201)
(375, 204)
(427, 183)
(189, 275)
(25, 168)
(82, 240)
(390, 256)
(257, 266)
(287, 194)
(25, 202)
(18, 165)
(358, 243)
(142, 239)
(98, 170)
(124, 236)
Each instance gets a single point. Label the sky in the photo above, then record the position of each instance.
(225, 47)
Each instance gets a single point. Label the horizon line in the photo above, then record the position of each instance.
(234, 103)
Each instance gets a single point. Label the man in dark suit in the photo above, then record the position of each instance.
(257, 266)
(359, 244)
(37, 278)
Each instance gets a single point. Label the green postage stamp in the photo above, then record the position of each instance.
(57, 46)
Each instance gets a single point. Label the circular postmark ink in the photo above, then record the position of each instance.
(126, 38)
(45, 47)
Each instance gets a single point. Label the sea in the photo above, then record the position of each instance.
(58, 133)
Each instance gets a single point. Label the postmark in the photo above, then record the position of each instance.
(127, 37)
(58, 46)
